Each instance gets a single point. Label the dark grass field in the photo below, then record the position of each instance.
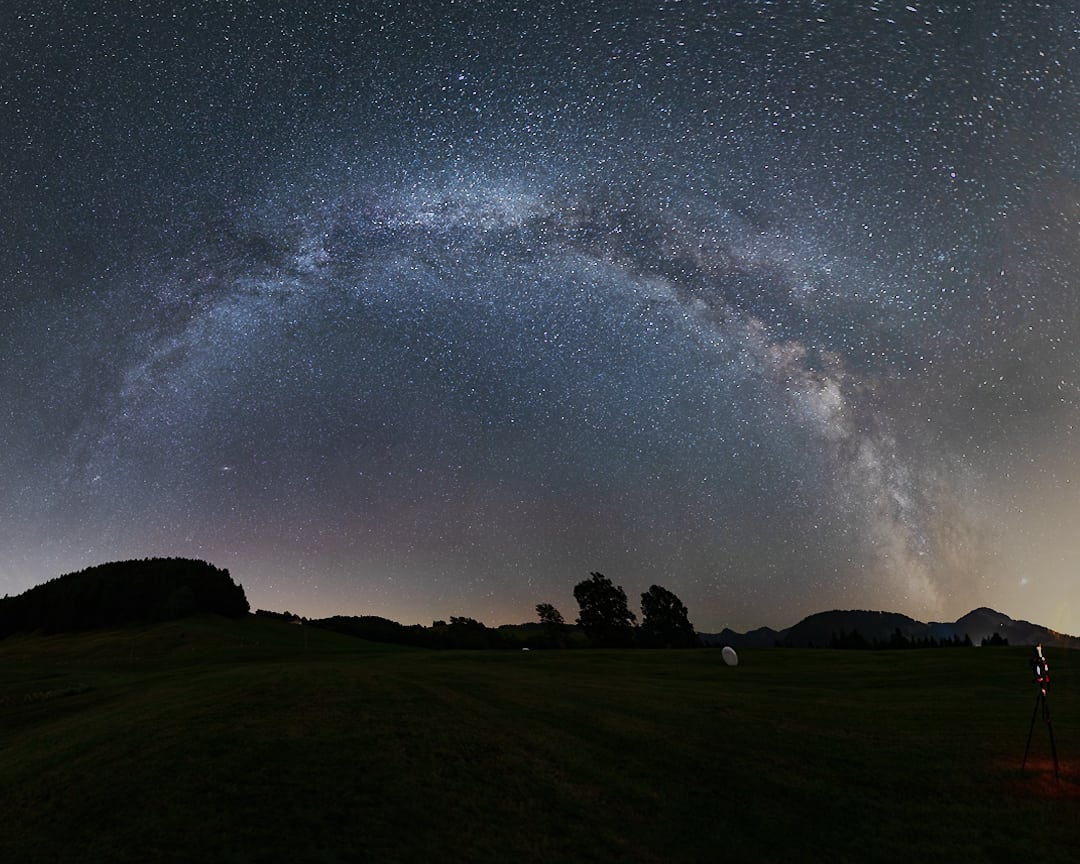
(215, 740)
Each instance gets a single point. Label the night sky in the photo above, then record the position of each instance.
(430, 309)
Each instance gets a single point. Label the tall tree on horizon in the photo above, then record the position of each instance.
(605, 616)
(664, 620)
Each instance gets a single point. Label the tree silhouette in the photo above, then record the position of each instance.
(664, 621)
(466, 632)
(548, 614)
(553, 623)
(605, 617)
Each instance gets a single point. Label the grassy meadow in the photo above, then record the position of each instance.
(247, 741)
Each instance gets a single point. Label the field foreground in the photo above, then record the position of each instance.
(253, 740)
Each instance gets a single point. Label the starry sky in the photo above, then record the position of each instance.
(420, 309)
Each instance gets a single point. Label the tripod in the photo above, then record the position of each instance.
(1040, 700)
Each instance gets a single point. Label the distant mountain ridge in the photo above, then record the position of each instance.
(820, 629)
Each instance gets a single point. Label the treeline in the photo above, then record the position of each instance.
(122, 592)
(605, 621)
(854, 639)
(458, 632)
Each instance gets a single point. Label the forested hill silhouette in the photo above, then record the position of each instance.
(857, 628)
(822, 628)
(120, 592)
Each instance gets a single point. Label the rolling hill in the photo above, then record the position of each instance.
(122, 592)
(819, 630)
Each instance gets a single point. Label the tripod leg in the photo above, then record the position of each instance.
(1031, 729)
(1053, 746)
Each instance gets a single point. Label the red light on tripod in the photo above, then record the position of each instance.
(1040, 668)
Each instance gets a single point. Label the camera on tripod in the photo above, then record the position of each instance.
(1040, 673)
(1040, 669)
